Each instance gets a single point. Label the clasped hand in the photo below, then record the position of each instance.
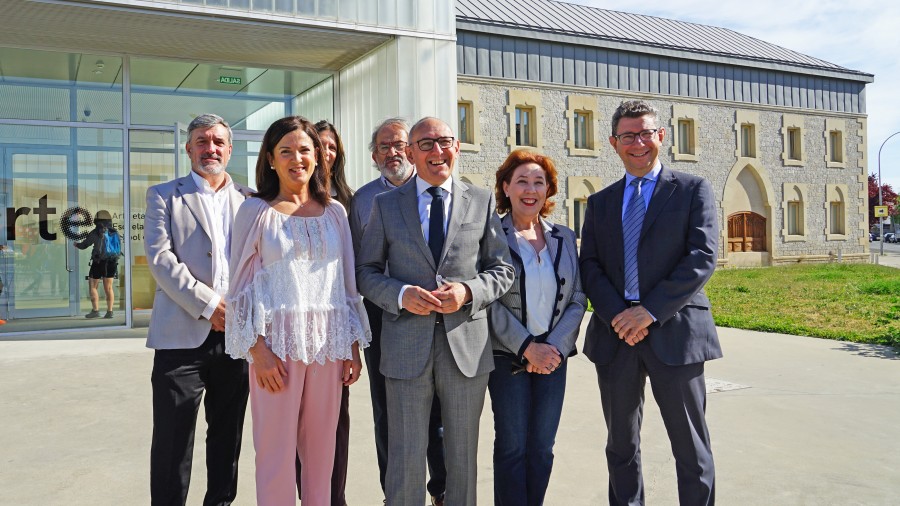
(447, 298)
(631, 324)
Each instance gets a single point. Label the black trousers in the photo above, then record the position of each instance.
(437, 471)
(179, 379)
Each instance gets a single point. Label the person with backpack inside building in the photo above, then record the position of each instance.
(107, 246)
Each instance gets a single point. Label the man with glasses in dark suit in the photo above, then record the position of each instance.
(649, 245)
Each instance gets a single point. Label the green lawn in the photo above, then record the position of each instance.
(850, 302)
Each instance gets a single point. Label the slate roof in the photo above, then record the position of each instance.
(555, 17)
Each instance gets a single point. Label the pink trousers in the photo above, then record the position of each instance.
(299, 420)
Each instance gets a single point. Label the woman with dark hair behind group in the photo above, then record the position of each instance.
(533, 329)
(333, 150)
(294, 313)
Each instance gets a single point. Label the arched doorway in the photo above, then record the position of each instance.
(747, 206)
(746, 232)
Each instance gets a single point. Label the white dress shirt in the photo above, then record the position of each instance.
(540, 284)
(424, 201)
(220, 217)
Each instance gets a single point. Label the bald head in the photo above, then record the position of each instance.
(433, 150)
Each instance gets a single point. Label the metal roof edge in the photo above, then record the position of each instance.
(535, 33)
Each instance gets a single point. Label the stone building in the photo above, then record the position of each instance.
(781, 135)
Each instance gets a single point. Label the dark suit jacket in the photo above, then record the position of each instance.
(676, 257)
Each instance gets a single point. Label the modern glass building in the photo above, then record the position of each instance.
(95, 97)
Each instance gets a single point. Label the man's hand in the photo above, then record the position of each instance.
(452, 296)
(352, 367)
(420, 301)
(269, 369)
(631, 324)
(218, 317)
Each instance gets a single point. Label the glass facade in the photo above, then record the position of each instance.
(73, 138)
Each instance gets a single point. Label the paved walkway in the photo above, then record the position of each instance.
(794, 420)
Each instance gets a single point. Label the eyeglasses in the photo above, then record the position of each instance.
(629, 137)
(398, 146)
(428, 144)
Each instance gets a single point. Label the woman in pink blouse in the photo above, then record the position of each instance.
(294, 313)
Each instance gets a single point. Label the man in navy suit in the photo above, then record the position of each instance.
(649, 245)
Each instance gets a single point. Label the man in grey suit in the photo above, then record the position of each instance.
(446, 260)
(187, 231)
(388, 147)
(648, 247)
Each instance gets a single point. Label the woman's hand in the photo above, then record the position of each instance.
(270, 371)
(542, 358)
(352, 367)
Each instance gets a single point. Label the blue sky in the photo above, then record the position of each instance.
(860, 35)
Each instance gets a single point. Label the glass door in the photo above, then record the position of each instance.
(41, 264)
(53, 183)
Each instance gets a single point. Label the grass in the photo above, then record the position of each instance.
(848, 302)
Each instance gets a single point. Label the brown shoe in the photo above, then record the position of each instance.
(437, 501)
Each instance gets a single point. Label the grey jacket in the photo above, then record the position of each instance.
(508, 314)
(474, 254)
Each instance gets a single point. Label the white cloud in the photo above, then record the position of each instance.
(862, 35)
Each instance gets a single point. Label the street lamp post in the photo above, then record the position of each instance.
(880, 197)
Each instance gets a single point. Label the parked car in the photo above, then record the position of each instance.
(871, 236)
(890, 237)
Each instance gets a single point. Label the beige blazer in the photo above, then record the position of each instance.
(179, 253)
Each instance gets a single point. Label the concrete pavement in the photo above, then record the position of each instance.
(794, 420)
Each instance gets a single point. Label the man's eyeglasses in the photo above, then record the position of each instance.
(428, 144)
(630, 137)
(398, 146)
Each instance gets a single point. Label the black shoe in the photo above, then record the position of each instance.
(109, 314)
(93, 314)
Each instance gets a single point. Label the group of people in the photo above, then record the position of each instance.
(448, 290)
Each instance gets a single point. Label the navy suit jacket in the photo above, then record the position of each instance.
(676, 257)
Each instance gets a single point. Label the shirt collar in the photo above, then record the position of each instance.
(422, 186)
(653, 175)
(388, 184)
(203, 184)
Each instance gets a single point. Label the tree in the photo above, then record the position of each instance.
(889, 197)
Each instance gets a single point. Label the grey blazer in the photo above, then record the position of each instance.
(474, 253)
(507, 315)
(676, 256)
(179, 253)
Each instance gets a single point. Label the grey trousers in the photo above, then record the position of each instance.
(409, 407)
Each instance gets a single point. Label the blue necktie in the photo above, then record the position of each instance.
(631, 234)
(436, 223)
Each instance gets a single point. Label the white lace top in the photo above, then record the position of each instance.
(293, 282)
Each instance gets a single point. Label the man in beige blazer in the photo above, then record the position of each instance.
(187, 231)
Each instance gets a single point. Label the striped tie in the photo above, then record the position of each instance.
(631, 234)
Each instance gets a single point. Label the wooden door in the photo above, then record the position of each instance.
(746, 232)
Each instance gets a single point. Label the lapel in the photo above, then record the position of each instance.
(510, 232)
(614, 209)
(458, 211)
(555, 243)
(190, 194)
(665, 186)
(236, 197)
(409, 209)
